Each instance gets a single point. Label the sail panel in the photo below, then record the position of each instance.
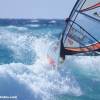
(90, 3)
(91, 8)
(82, 30)
(90, 25)
(78, 37)
(95, 13)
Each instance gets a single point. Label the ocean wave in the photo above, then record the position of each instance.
(19, 44)
(87, 65)
(33, 25)
(16, 27)
(41, 81)
(38, 76)
(53, 21)
(34, 20)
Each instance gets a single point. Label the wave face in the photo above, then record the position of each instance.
(24, 69)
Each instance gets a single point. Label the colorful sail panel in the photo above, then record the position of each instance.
(90, 3)
(92, 9)
(83, 27)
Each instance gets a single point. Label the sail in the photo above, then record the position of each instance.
(82, 32)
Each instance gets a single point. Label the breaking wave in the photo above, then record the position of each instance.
(29, 66)
(24, 59)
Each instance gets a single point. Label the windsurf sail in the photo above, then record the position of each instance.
(81, 35)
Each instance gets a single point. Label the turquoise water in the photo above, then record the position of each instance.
(24, 69)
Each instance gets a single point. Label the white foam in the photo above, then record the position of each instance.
(19, 28)
(37, 77)
(41, 81)
(89, 66)
(18, 43)
(53, 21)
(33, 25)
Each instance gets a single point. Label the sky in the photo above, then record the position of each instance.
(49, 9)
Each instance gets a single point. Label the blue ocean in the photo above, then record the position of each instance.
(25, 73)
